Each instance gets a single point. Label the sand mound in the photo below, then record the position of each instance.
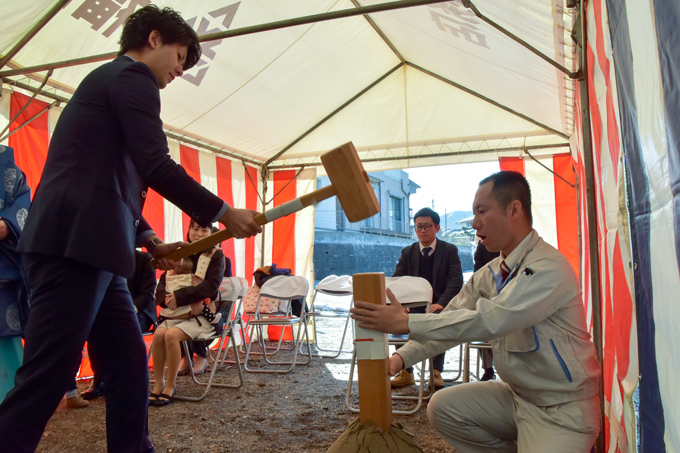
(368, 438)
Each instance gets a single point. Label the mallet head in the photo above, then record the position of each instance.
(350, 182)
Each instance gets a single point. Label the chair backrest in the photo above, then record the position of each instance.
(409, 290)
(336, 285)
(230, 289)
(285, 287)
(243, 285)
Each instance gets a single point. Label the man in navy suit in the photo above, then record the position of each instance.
(436, 261)
(79, 241)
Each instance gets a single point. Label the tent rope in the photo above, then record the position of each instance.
(542, 165)
(287, 184)
(245, 167)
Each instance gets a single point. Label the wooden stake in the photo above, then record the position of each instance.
(375, 393)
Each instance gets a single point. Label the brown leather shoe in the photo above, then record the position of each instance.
(402, 379)
(76, 402)
(437, 379)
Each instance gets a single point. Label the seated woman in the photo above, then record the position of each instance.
(198, 350)
(179, 324)
(182, 276)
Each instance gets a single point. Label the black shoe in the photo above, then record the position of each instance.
(94, 392)
(488, 375)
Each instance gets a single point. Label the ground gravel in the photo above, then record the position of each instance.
(302, 411)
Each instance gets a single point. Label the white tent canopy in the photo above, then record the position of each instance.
(414, 86)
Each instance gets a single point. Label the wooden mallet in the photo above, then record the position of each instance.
(349, 182)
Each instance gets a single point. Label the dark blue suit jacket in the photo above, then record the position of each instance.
(447, 271)
(107, 149)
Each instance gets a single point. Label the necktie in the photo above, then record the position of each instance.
(505, 270)
(426, 251)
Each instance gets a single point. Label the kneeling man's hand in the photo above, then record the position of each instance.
(396, 364)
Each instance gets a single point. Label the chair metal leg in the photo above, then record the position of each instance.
(222, 349)
(420, 398)
(460, 367)
(349, 384)
(275, 349)
(305, 336)
(337, 353)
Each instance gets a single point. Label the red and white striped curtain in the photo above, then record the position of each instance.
(553, 200)
(287, 242)
(619, 326)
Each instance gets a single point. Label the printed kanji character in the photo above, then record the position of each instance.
(448, 23)
(97, 12)
(123, 14)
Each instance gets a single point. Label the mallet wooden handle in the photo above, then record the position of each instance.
(261, 219)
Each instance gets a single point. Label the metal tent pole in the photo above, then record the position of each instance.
(596, 296)
(360, 11)
(317, 163)
(468, 4)
(33, 31)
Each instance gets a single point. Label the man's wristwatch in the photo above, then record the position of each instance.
(151, 245)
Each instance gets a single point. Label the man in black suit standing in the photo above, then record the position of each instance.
(86, 219)
(436, 261)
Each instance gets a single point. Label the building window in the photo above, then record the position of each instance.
(397, 214)
(373, 222)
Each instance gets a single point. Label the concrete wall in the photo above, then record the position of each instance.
(343, 254)
(348, 259)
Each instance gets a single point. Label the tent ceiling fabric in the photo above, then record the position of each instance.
(394, 90)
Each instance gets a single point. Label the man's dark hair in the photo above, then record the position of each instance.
(427, 212)
(171, 26)
(509, 186)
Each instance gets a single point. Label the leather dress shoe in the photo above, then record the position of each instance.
(437, 379)
(93, 393)
(76, 402)
(488, 375)
(403, 379)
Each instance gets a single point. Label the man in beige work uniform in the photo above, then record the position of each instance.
(527, 304)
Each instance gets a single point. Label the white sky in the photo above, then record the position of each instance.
(452, 187)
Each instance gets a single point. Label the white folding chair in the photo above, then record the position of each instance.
(339, 288)
(225, 339)
(240, 288)
(284, 288)
(411, 292)
(234, 289)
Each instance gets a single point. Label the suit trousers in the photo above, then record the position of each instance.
(73, 302)
(438, 360)
(144, 323)
(488, 416)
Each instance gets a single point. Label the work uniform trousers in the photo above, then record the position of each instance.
(488, 416)
(72, 302)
